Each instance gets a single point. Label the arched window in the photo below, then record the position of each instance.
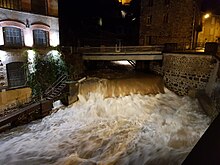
(16, 74)
(41, 38)
(13, 37)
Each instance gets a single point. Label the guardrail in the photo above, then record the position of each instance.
(52, 87)
(26, 114)
(119, 49)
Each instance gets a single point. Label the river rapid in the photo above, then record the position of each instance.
(131, 128)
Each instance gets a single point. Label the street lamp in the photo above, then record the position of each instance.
(207, 15)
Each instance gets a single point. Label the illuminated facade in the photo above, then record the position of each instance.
(25, 25)
(124, 1)
(169, 21)
(210, 29)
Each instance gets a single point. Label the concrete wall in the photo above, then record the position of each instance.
(13, 98)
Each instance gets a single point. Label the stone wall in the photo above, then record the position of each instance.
(212, 89)
(186, 73)
(173, 24)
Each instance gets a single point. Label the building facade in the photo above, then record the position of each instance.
(210, 29)
(26, 27)
(169, 21)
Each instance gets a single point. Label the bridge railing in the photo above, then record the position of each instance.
(118, 49)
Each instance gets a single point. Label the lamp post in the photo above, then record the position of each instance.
(195, 7)
(204, 18)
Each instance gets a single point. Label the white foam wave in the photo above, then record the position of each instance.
(134, 129)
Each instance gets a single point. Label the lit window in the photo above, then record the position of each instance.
(149, 19)
(213, 21)
(11, 4)
(40, 37)
(211, 31)
(16, 74)
(12, 36)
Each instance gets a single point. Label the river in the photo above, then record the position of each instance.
(110, 129)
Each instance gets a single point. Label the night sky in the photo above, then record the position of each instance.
(212, 6)
(75, 20)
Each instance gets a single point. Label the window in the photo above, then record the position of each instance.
(16, 74)
(149, 19)
(165, 18)
(40, 37)
(11, 4)
(213, 21)
(166, 2)
(211, 31)
(39, 6)
(149, 3)
(12, 36)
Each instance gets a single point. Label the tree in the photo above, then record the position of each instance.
(47, 70)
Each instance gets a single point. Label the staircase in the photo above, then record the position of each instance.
(55, 90)
(132, 62)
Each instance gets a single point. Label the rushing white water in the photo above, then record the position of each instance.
(134, 129)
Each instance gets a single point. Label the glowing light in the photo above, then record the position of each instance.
(124, 62)
(100, 22)
(125, 1)
(54, 39)
(207, 15)
(28, 37)
(31, 58)
(55, 54)
(1, 37)
(123, 13)
(3, 56)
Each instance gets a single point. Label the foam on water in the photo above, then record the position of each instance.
(135, 129)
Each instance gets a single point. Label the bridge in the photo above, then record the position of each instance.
(122, 53)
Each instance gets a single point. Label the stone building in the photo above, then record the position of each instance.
(26, 27)
(169, 21)
(210, 29)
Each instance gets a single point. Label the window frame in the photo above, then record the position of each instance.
(38, 40)
(16, 74)
(11, 40)
(149, 20)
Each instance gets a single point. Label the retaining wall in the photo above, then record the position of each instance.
(185, 73)
(14, 98)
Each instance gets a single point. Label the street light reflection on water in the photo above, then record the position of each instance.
(131, 129)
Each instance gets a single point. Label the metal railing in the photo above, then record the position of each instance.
(119, 49)
(52, 87)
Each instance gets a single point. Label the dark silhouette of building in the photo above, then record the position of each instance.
(96, 23)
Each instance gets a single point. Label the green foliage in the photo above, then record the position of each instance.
(46, 71)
